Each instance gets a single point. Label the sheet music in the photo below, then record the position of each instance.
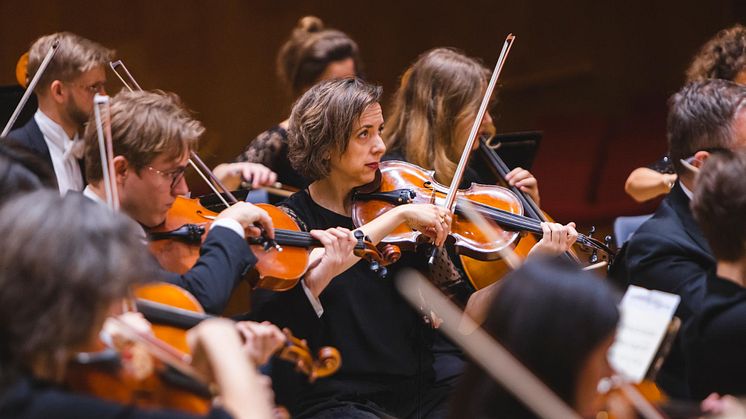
(645, 316)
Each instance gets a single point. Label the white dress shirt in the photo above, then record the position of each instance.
(64, 152)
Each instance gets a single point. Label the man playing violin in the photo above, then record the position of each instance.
(669, 252)
(65, 94)
(152, 135)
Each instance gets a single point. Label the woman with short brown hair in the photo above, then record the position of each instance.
(335, 140)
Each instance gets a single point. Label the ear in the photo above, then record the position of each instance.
(699, 158)
(121, 168)
(57, 91)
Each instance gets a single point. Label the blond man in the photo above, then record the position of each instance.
(65, 94)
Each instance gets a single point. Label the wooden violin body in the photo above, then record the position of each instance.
(402, 182)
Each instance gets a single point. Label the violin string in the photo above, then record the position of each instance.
(522, 222)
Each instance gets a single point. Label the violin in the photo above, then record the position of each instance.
(281, 261)
(172, 310)
(142, 370)
(401, 183)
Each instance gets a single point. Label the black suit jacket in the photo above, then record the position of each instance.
(30, 137)
(224, 259)
(669, 253)
(714, 341)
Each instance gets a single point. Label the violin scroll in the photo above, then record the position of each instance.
(297, 351)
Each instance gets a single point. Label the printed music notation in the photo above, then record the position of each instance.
(645, 317)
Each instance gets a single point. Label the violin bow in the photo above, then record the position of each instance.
(194, 160)
(486, 351)
(466, 153)
(102, 114)
(31, 87)
(450, 199)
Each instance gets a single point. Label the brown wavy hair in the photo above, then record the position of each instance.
(309, 50)
(322, 121)
(433, 110)
(722, 57)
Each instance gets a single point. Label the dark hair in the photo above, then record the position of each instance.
(722, 57)
(701, 116)
(322, 121)
(64, 261)
(719, 203)
(550, 316)
(21, 171)
(309, 50)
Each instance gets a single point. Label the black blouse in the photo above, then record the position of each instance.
(383, 341)
(714, 341)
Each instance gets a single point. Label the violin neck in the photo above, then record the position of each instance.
(169, 315)
(515, 222)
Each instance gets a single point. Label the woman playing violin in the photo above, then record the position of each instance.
(61, 277)
(335, 139)
(311, 54)
(433, 111)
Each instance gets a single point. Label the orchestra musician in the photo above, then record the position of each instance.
(669, 252)
(713, 340)
(567, 351)
(335, 139)
(152, 135)
(722, 57)
(311, 54)
(68, 263)
(432, 113)
(65, 94)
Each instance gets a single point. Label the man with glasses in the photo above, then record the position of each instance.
(669, 252)
(152, 135)
(65, 95)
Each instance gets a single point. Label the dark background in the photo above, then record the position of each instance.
(594, 75)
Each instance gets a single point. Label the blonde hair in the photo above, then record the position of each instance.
(144, 125)
(309, 50)
(434, 109)
(75, 55)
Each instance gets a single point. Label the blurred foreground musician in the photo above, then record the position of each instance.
(714, 341)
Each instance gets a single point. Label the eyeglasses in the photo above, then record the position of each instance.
(94, 88)
(174, 175)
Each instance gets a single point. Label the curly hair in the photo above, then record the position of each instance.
(722, 57)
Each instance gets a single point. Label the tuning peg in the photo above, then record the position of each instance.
(383, 272)
(591, 232)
